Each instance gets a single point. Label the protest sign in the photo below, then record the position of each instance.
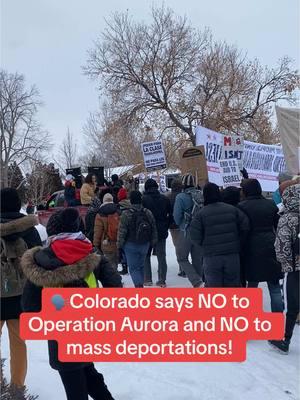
(230, 172)
(233, 148)
(193, 162)
(154, 155)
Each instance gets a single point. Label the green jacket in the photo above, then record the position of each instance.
(125, 223)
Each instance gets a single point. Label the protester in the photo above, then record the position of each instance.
(116, 185)
(70, 191)
(68, 261)
(90, 217)
(106, 230)
(137, 232)
(130, 183)
(186, 205)
(220, 229)
(282, 177)
(17, 233)
(124, 204)
(287, 253)
(259, 259)
(160, 207)
(176, 188)
(87, 191)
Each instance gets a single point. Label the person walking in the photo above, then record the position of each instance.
(176, 188)
(91, 216)
(17, 234)
(259, 259)
(160, 207)
(186, 205)
(137, 232)
(123, 204)
(287, 253)
(68, 261)
(106, 230)
(87, 191)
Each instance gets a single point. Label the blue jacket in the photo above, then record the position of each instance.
(276, 197)
(183, 203)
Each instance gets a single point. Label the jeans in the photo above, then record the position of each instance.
(222, 271)
(160, 252)
(18, 353)
(175, 234)
(292, 294)
(135, 255)
(194, 270)
(275, 294)
(82, 382)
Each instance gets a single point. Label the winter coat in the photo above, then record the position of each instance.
(15, 225)
(259, 260)
(288, 230)
(183, 204)
(87, 193)
(219, 228)
(126, 221)
(124, 205)
(43, 269)
(160, 207)
(101, 227)
(90, 218)
(172, 197)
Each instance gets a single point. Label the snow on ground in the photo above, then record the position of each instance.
(266, 375)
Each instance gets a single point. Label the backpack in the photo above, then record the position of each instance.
(197, 198)
(12, 277)
(113, 221)
(140, 230)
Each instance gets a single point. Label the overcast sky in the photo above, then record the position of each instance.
(47, 40)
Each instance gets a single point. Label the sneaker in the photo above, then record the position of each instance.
(161, 284)
(280, 345)
(149, 283)
(182, 274)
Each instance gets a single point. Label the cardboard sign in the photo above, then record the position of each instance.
(230, 172)
(154, 155)
(233, 148)
(193, 162)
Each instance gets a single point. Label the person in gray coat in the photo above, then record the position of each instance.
(220, 229)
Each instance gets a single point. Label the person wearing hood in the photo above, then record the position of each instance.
(282, 177)
(106, 230)
(220, 229)
(67, 261)
(91, 216)
(259, 259)
(17, 233)
(160, 207)
(287, 253)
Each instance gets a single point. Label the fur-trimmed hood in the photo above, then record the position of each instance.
(58, 276)
(18, 225)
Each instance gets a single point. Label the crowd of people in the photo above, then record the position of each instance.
(223, 238)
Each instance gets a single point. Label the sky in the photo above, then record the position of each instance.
(47, 41)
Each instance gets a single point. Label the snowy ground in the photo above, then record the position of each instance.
(266, 375)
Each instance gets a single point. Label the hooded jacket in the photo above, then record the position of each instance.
(43, 269)
(101, 227)
(15, 225)
(287, 233)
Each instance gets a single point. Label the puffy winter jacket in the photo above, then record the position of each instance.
(87, 193)
(101, 227)
(219, 228)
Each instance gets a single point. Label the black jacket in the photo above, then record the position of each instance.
(42, 268)
(172, 197)
(14, 225)
(219, 228)
(160, 207)
(259, 259)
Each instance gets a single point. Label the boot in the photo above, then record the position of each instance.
(280, 345)
(124, 269)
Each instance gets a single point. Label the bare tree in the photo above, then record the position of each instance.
(21, 135)
(68, 150)
(168, 67)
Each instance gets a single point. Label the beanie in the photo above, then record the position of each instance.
(211, 193)
(10, 200)
(114, 177)
(108, 198)
(135, 197)
(251, 187)
(188, 181)
(122, 194)
(151, 183)
(65, 221)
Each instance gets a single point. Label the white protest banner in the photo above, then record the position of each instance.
(162, 183)
(262, 161)
(230, 172)
(154, 155)
(233, 148)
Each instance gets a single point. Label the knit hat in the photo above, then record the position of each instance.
(114, 177)
(284, 176)
(10, 200)
(151, 183)
(108, 198)
(251, 187)
(122, 194)
(231, 195)
(211, 193)
(135, 197)
(188, 181)
(65, 221)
